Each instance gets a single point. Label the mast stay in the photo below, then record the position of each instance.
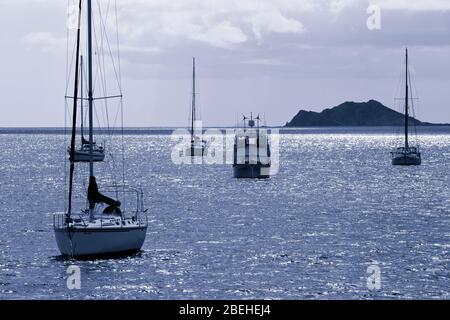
(406, 104)
(90, 89)
(81, 101)
(74, 116)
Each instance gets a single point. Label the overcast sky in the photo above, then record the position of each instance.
(272, 57)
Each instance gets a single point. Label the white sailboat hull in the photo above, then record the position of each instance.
(79, 242)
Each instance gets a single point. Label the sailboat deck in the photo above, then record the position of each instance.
(102, 222)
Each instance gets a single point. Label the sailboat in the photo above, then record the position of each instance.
(197, 146)
(407, 155)
(252, 155)
(106, 227)
(82, 154)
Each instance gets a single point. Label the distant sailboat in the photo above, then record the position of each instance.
(407, 155)
(252, 155)
(106, 227)
(197, 144)
(83, 154)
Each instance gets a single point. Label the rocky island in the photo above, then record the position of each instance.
(371, 113)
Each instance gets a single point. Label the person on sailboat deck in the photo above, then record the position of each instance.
(95, 197)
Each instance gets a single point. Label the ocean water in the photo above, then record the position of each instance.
(335, 208)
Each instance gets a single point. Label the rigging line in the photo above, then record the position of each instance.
(114, 124)
(412, 81)
(67, 52)
(99, 74)
(104, 35)
(118, 79)
(102, 68)
(111, 54)
(398, 107)
(411, 94)
(103, 74)
(413, 109)
(123, 142)
(66, 107)
(68, 65)
(115, 117)
(74, 122)
(119, 65)
(97, 120)
(65, 157)
(120, 89)
(101, 49)
(413, 86)
(86, 90)
(96, 66)
(111, 167)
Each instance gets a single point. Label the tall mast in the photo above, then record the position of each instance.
(193, 99)
(406, 104)
(90, 89)
(74, 116)
(82, 99)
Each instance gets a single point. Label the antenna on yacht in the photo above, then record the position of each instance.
(244, 118)
(258, 119)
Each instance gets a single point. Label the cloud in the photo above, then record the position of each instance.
(337, 6)
(218, 23)
(414, 5)
(148, 50)
(273, 22)
(222, 35)
(226, 24)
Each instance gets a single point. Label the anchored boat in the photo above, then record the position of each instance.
(252, 158)
(407, 155)
(83, 153)
(197, 144)
(107, 226)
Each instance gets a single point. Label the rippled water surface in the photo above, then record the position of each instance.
(310, 232)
